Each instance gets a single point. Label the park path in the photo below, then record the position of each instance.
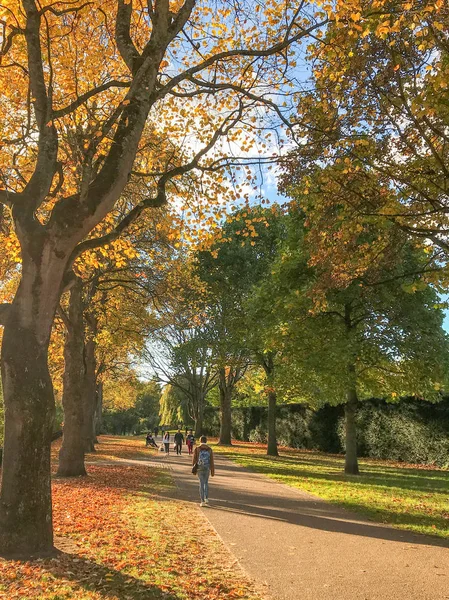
(302, 548)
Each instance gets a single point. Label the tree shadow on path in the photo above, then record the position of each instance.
(256, 496)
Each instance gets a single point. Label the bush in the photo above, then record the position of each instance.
(211, 421)
(259, 435)
(410, 431)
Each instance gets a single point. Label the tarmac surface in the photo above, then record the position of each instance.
(298, 547)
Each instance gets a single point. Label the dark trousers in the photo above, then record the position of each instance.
(178, 448)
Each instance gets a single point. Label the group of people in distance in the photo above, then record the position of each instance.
(202, 456)
(178, 439)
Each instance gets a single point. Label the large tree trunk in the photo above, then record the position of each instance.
(225, 409)
(267, 362)
(25, 499)
(272, 448)
(71, 455)
(351, 462)
(90, 391)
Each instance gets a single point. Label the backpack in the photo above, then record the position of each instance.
(204, 459)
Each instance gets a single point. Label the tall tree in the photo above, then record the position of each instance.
(379, 336)
(237, 262)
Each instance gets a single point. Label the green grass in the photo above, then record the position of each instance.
(406, 496)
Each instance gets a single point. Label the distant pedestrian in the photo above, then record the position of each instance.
(150, 440)
(179, 440)
(156, 431)
(166, 440)
(190, 441)
(203, 465)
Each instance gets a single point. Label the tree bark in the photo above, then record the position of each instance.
(246, 424)
(71, 455)
(99, 410)
(351, 462)
(25, 498)
(272, 448)
(267, 362)
(225, 409)
(199, 418)
(90, 390)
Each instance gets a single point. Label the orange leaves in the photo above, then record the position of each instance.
(123, 542)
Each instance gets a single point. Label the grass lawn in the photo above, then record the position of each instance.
(406, 496)
(123, 537)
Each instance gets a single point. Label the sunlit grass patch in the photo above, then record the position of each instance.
(406, 496)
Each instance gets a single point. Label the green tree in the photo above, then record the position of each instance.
(147, 404)
(235, 264)
(380, 336)
(174, 405)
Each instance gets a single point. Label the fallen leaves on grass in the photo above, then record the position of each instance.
(125, 542)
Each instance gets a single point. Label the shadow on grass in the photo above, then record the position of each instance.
(423, 481)
(109, 583)
(242, 492)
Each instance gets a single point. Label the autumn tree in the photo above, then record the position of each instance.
(152, 58)
(130, 405)
(373, 131)
(107, 322)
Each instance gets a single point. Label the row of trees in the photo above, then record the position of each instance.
(114, 109)
(98, 100)
(258, 308)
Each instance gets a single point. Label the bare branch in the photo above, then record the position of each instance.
(90, 94)
(222, 56)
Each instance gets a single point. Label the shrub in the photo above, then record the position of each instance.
(409, 431)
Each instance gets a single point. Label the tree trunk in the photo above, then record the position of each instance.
(272, 448)
(71, 455)
(90, 390)
(351, 462)
(225, 409)
(199, 417)
(99, 410)
(25, 499)
(246, 424)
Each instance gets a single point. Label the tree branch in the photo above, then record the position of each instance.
(125, 45)
(87, 95)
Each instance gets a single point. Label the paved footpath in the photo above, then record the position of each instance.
(302, 548)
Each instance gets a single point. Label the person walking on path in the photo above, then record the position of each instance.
(203, 464)
(190, 441)
(179, 440)
(166, 440)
